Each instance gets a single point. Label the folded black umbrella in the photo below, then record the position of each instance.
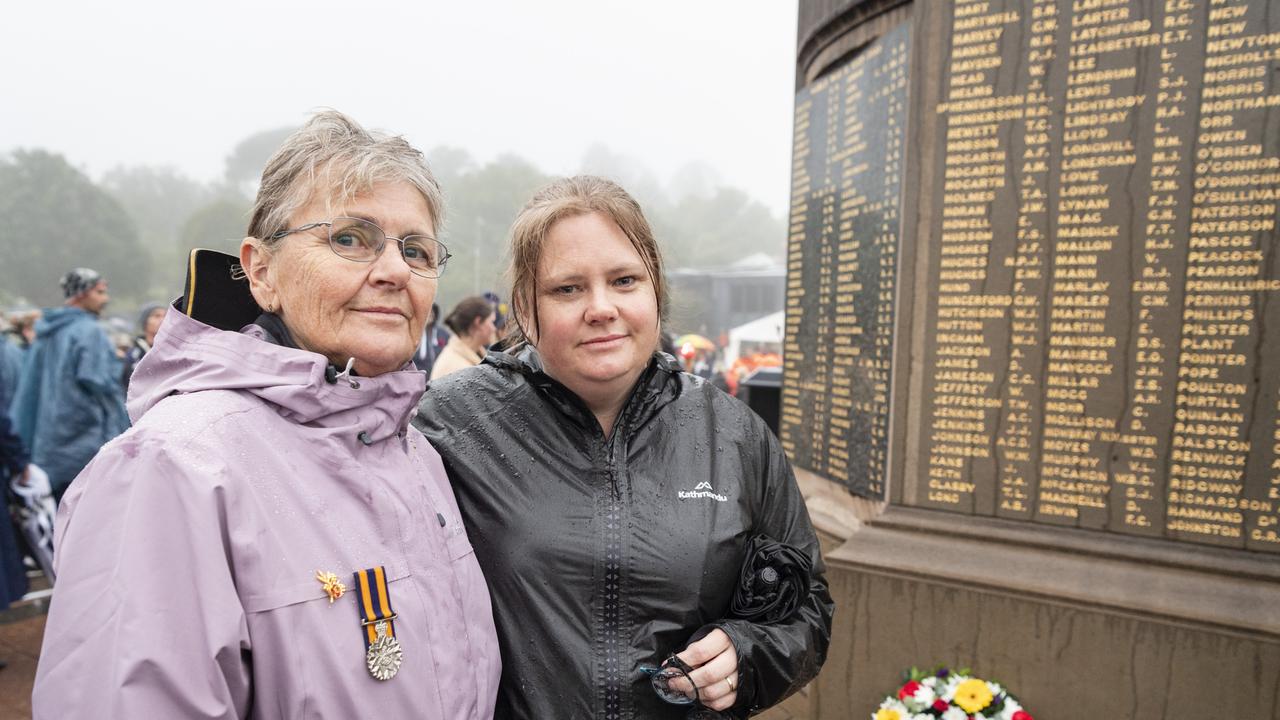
(773, 583)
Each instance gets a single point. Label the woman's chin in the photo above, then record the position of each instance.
(371, 362)
(374, 368)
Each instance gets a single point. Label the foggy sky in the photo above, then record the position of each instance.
(159, 83)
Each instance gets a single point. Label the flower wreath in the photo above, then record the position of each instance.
(949, 695)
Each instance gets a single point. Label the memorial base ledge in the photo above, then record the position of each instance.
(1234, 592)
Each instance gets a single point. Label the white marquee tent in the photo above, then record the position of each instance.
(760, 334)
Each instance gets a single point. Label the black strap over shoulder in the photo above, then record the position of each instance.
(217, 292)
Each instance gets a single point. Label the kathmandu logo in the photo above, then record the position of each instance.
(701, 490)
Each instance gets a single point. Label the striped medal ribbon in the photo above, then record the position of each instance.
(377, 622)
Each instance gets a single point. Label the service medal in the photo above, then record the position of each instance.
(377, 624)
(384, 655)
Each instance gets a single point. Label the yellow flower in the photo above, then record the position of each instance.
(888, 714)
(972, 695)
(333, 587)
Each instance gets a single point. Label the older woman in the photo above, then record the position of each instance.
(612, 497)
(474, 330)
(272, 539)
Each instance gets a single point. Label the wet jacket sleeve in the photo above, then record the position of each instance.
(13, 454)
(778, 659)
(146, 622)
(10, 371)
(96, 367)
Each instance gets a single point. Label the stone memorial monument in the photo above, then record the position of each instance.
(1031, 376)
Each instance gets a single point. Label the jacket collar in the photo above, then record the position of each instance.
(656, 387)
(190, 356)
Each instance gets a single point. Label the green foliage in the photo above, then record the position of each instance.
(918, 674)
(481, 203)
(714, 231)
(245, 163)
(56, 219)
(449, 163)
(706, 224)
(219, 225)
(160, 200)
(628, 172)
(138, 226)
(709, 227)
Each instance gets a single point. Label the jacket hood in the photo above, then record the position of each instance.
(190, 356)
(55, 319)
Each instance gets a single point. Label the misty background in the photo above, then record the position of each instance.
(142, 131)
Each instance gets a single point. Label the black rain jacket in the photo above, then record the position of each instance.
(605, 554)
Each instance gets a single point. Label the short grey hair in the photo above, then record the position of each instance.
(333, 157)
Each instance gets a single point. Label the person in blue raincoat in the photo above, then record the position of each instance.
(11, 362)
(69, 401)
(13, 466)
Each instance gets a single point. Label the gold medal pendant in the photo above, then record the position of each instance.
(384, 655)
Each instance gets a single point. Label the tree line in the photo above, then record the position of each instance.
(136, 224)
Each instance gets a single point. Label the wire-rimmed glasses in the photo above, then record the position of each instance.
(362, 241)
(668, 680)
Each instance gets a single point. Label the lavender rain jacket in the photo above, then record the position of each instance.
(187, 550)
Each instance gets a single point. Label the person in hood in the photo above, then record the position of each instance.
(611, 497)
(272, 539)
(12, 359)
(15, 468)
(69, 401)
(149, 319)
(472, 323)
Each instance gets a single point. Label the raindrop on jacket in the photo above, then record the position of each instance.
(187, 551)
(605, 554)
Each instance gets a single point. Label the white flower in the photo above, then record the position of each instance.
(892, 703)
(930, 682)
(994, 688)
(954, 713)
(924, 695)
(891, 707)
(1011, 706)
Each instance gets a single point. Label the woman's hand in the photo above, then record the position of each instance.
(714, 660)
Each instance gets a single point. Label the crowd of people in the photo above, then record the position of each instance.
(323, 504)
(61, 399)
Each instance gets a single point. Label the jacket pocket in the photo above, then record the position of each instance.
(458, 546)
(309, 655)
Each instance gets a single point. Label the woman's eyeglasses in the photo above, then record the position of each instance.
(673, 684)
(362, 241)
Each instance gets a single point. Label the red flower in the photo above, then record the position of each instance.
(940, 705)
(908, 690)
(1021, 715)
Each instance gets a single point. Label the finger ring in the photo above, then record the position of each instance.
(729, 682)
